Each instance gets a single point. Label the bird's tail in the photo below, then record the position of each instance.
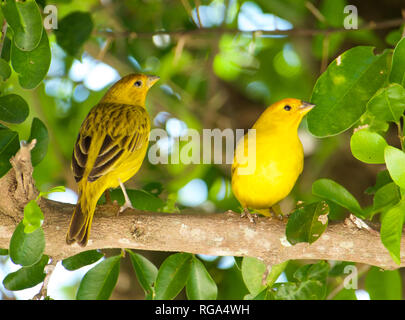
(274, 211)
(80, 224)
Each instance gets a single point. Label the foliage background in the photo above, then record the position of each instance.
(208, 80)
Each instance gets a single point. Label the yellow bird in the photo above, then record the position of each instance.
(110, 148)
(267, 163)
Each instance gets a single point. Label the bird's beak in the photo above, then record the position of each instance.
(306, 107)
(152, 80)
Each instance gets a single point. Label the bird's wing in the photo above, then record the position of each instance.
(111, 132)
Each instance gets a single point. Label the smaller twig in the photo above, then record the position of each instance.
(43, 293)
(104, 49)
(314, 10)
(360, 224)
(179, 49)
(197, 7)
(325, 52)
(341, 286)
(3, 35)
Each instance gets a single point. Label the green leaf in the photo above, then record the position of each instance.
(306, 290)
(26, 21)
(318, 271)
(140, 199)
(39, 132)
(388, 104)
(200, 285)
(331, 190)
(395, 160)
(33, 217)
(55, 189)
(252, 274)
(172, 276)
(32, 66)
(368, 146)
(398, 63)
(3, 252)
(13, 108)
(354, 76)
(26, 277)
(145, 271)
(384, 285)
(99, 282)
(307, 223)
(387, 195)
(26, 248)
(81, 259)
(383, 178)
(73, 31)
(392, 222)
(5, 70)
(346, 294)
(9, 145)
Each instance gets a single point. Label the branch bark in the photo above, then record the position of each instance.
(223, 234)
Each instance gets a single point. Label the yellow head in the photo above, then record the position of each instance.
(286, 113)
(131, 89)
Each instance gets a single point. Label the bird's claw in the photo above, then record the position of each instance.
(124, 207)
(252, 217)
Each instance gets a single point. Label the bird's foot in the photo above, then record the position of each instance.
(252, 217)
(125, 206)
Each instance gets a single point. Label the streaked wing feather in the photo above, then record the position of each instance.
(126, 132)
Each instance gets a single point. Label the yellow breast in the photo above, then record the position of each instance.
(267, 172)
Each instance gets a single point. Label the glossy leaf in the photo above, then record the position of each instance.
(172, 276)
(368, 146)
(5, 70)
(331, 190)
(26, 248)
(388, 104)
(99, 282)
(386, 196)
(200, 285)
(391, 230)
(26, 277)
(81, 259)
(383, 178)
(252, 273)
(145, 271)
(354, 76)
(9, 145)
(32, 66)
(384, 284)
(33, 217)
(25, 19)
(307, 223)
(13, 108)
(39, 132)
(73, 31)
(397, 74)
(395, 160)
(318, 271)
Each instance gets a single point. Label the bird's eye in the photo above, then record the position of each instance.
(287, 108)
(138, 84)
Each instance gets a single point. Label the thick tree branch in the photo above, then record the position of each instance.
(223, 234)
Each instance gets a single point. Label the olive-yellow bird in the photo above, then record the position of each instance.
(267, 164)
(110, 148)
